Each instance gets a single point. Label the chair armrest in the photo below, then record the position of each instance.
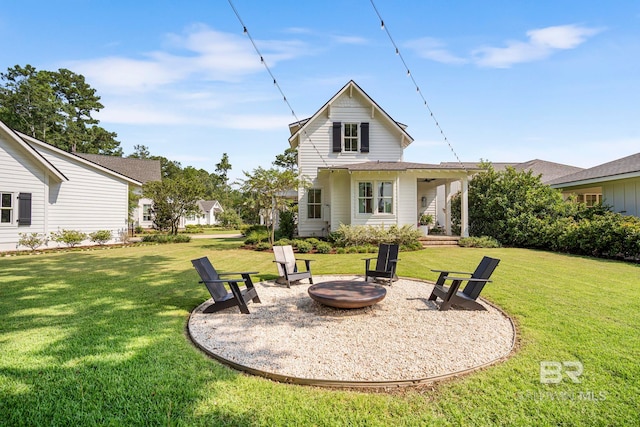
(365, 259)
(223, 281)
(454, 272)
(305, 260)
(236, 272)
(466, 279)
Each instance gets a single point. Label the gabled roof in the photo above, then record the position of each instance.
(299, 127)
(32, 152)
(626, 167)
(142, 170)
(207, 205)
(547, 170)
(41, 144)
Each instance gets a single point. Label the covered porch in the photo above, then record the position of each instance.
(407, 191)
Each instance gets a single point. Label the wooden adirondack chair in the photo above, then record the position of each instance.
(221, 297)
(288, 266)
(385, 265)
(450, 295)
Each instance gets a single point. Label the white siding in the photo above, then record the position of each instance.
(315, 151)
(340, 200)
(18, 173)
(407, 200)
(91, 200)
(623, 196)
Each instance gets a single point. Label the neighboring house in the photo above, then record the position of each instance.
(351, 151)
(615, 183)
(44, 189)
(141, 170)
(209, 209)
(548, 171)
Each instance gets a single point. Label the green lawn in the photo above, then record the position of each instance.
(98, 338)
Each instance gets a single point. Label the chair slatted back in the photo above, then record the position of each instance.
(207, 273)
(483, 271)
(386, 252)
(285, 254)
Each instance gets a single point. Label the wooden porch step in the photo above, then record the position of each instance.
(439, 241)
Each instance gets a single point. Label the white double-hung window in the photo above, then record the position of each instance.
(375, 197)
(6, 208)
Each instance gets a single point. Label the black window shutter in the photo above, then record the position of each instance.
(337, 137)
(364, 137)
(24, 209)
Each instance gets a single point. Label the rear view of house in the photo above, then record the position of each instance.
(351, 152)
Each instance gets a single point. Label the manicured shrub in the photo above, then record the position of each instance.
(101, 236)
(263, 246)
(314, 242)
(256, 236)
(282, 242)
(32, 240)
(324, 247)
(360, 235)
(303, 246)
(479, 242)
(71, 238)
(193, 229)
(166, 238)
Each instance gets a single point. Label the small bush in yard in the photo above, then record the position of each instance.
(32, 240)
(101, 236)
(304, 246)
(314, 242)
(323, 247)
(256, 236)
(71, 238)
(282, 242)
(263, 246)
(166, 238)
(479, 242)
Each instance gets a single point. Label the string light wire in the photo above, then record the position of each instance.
(275, 82)
(418, 91)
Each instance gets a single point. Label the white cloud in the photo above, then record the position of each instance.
(430, 48)
(349, 40)
(200, 52)
(541, 44)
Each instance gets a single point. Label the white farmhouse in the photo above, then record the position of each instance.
(351, 152)
(44, 189)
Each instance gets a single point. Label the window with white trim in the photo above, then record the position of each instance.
(380, 192)
(590, 199)
(385, 197)
(365, 197)
(314, 203)
(6, 208)
(350, 137)
(146, 213)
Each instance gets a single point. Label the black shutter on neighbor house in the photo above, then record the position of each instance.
(364, 137)
(24, 209)
(337, 137)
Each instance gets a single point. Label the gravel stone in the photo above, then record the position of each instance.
(403, 337)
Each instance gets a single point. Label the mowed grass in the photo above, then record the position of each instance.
(98, 338)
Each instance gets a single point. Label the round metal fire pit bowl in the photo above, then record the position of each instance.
(347, 293)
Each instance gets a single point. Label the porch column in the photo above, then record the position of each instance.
(447, 208)
(464, 211)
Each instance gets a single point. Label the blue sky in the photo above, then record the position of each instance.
(506, 80)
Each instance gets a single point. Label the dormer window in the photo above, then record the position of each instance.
(350, 137)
